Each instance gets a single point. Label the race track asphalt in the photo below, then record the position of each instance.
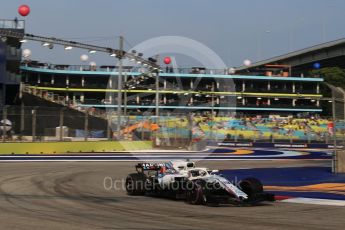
(72, 195)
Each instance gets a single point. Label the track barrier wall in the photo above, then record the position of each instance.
(73, 147)
(272, 145)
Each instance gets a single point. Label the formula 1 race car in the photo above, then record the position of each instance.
(182, 180)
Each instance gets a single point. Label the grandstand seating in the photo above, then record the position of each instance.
(224, 127)
(255, 128)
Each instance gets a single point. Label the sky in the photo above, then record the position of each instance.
(234, 29)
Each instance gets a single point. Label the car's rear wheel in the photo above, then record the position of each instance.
(195, 193)
(135, 184)
(251, 186)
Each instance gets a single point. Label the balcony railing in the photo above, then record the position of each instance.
(12, 24)
(138, 69)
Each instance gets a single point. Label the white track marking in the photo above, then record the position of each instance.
(315, 201)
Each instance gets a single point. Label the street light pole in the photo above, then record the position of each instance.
(157, 90)
(212, 100)
(125, 97)
(119, 89)
(157, 94)
(212, 109)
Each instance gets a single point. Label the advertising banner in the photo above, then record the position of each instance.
(271, 145)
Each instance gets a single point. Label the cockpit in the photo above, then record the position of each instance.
(197, 173)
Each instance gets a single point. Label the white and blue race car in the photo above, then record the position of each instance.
(183, 180)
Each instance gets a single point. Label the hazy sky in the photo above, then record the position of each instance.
(234, 29)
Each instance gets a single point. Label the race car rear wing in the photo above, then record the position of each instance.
(141, 167)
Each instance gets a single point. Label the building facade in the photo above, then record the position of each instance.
(10, 58)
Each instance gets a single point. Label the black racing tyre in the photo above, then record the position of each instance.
(251, 186)
(195, 192)
(135, 184)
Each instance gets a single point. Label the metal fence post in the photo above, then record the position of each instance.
(34, 112)
(86, 126)
(22, 118)
(176, 134)
(108, 128)
(4, 117)
(334, 161)
(190, 128)
(61, 123)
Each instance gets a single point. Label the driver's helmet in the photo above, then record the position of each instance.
(194, 173)
(162, 170)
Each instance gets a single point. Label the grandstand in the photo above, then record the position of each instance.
(196, 90)
(287, 109)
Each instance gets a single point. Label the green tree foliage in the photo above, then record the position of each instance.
(332, 75)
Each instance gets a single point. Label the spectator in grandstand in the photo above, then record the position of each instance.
(15, 22)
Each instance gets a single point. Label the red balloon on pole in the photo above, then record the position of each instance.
(24, 10)
(167, 60)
